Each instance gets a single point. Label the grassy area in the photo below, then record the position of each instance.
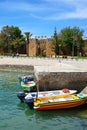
(82, 58)
(57, 57)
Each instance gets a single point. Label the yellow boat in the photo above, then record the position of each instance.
(60, 102)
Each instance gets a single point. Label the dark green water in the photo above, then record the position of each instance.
(17, 116)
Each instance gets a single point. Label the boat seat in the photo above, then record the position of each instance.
(81, 95)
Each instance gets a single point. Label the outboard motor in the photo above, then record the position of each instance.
(30, 78)
(30, 102)
(21, 96)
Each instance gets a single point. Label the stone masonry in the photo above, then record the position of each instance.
(60, 80)
(71, 75)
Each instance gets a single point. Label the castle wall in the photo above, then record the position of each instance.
(45, 45)
(85, 48)
(49, 49)
(32, 47)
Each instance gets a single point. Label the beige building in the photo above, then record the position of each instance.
(85, 48)
(40, 47)
(43, 47)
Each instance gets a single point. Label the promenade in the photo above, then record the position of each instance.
(47, 64)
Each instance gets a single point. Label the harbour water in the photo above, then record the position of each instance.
(17, 116)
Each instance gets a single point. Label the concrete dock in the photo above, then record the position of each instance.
(51, 73)
(70, 74)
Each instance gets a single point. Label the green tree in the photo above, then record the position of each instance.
(67, 38)
(55, 45)
(77, 39)
(72, 40)
(10, 36)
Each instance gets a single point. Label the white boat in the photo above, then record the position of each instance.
(27, 96)
(49, 93)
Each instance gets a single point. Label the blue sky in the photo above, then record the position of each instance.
(40, 17)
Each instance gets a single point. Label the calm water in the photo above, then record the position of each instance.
(17, 116)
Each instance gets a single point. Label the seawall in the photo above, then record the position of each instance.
(61, 76)
(25, 68)
(50, 73)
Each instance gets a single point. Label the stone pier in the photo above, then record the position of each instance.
(50, 73)
(62, 75)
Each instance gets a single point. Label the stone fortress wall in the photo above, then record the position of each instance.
(40, 46)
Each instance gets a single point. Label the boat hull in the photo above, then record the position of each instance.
(61, 104)
(28, 86)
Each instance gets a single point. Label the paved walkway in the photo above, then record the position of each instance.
(47, 64)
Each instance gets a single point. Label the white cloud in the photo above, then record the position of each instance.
(78, 10)
(50, 9)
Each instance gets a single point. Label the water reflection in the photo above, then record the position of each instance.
(21, 106)
(65, 119)
(78, 111)
(16, 115)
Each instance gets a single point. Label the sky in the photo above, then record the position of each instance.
(40, 17)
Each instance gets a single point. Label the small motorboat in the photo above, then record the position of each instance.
(28, 86)
(50, 93)
(27, 96)
(27, 83)
(58, 102)
(31, 97)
